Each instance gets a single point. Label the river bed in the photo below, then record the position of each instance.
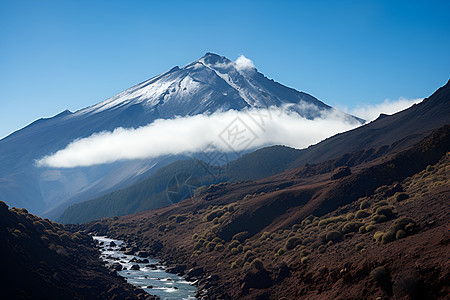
(151, 275)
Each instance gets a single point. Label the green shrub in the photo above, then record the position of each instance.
(410, 227)
(162, 227)
(307, 241)
(281, 251)
(334, 236)
(385, 211)
(379, 218)
(402, 223)
(210, 246)
(235, 251)
(359, 246)
(364, 204)
(292, 242)
(219, 247)
(401, 196)
(362, 229)
(331, 227)
(360, 214)
(331, 220)
(258, 264)
(195, 236)
(241, 236)
(217, 213)
(351, 227)
(304, 260)
(169, 227)
(400, 234)
(233, 244)
(370, 228)
(248, 254)
(295, 226)
(65, 238)
(217, 240)
(234, 265)
(350, 216)
(247, 248)
(198, 245)
(39, 226)
(180, 218)
(265, 235)
(210, 235)
(304, 252)
(388, 236)
(378, 236)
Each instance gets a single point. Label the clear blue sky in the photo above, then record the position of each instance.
(57, 55)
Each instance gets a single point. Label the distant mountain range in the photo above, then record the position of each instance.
(386, 135)
(212, 83)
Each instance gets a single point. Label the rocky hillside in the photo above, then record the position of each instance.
(44, 260)
(378, 229)
(367, 143)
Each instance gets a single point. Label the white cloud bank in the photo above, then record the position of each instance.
(225, 131)
(254, 128)
(371, 112)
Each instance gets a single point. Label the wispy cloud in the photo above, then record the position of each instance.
(226, 131)
(371, 112)
(243, 63)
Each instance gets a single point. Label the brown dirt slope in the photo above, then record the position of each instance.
(380, 230)
(412, 125)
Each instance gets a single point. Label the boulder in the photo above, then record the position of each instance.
(152, 266)
(135, 267)
(195, 272)
(178, 269)
(259, 279)
(143, 253)
(116, 267)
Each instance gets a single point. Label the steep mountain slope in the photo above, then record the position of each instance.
(383, 136)
(155, 191)
(403, 128)
(44, 260)
(209, 84)
(379, 231)
(168, 185)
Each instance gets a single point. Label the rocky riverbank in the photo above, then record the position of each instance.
(144, 272)
(44, 260)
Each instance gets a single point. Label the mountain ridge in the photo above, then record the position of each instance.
(347, 149)
(194, 89)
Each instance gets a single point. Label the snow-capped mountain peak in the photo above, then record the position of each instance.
(208, 84)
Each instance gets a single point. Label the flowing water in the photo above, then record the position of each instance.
(151, 276)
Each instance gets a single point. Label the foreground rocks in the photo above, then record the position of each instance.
(44, 260)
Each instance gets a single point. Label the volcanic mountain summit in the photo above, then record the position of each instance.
(212, 83)
(209, 84)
